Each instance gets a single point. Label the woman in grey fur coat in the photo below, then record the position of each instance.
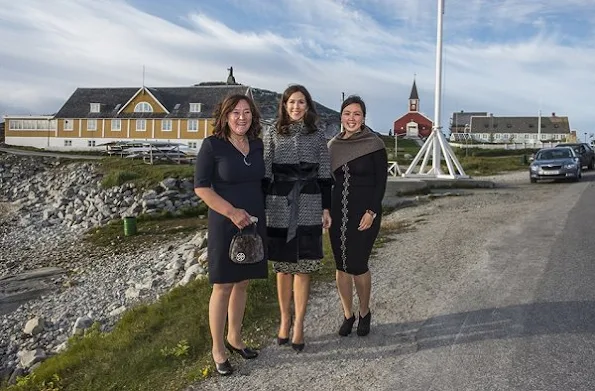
(298, 196)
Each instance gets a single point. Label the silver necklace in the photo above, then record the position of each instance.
(242, 152)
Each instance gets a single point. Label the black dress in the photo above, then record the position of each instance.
(221, 166)
(359, 185)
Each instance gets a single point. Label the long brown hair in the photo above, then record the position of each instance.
(283, 119)
(225, 107)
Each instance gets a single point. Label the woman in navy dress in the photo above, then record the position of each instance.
(228, 176)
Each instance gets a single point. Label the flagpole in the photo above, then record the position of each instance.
(436, 158)
(436, 145)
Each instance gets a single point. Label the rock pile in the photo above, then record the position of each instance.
(46, 205)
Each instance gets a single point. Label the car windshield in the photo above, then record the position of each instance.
(554, 154)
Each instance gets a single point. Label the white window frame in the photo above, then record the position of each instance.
(29, 124)
(143, 107)
(195, 107)
(68, 124)
(140, 128)
(68, 143)
(192, 125)
(91, 143)
(116, 124)
(169, 126)
(91, 124)
(192, 144)
(95, 107)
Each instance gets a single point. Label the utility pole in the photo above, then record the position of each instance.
(340, 114)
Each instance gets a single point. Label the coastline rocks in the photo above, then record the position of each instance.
(45, 205)
(34, 326)
(71, 195)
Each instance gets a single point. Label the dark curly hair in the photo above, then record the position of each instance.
(225, 107)
(310, 118)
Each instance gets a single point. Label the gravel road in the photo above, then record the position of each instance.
(415, 276)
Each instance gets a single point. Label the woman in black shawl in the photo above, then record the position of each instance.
(359, 165)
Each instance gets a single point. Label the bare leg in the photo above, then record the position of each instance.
(235, 314)
(301, 288)
(284, 293)
(345, 288)
(217, 315)
(363, 287)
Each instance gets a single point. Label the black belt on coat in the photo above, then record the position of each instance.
(293, 198)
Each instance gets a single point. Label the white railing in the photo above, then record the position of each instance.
(393, 169)
(506, 146)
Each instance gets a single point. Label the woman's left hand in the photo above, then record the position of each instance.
(326, 219)
(365, 222)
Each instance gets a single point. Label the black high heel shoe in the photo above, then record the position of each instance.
(224, 369)
(246, 352)
(298, 347)
(282, 341)
(363, 326)
(347, 326)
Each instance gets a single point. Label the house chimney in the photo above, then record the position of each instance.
(553, 114)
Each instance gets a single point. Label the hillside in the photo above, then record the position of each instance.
(268, 101)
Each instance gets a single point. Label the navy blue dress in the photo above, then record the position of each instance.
(220, 165)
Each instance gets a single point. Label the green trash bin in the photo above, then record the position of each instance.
(524, 159)
(129, 226)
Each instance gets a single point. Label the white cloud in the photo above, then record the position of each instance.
(500, 56)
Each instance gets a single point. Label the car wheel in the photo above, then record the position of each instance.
(591, 164)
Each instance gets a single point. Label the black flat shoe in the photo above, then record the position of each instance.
(363, 326)
(347, 326)
(282, 341)
(298, 347)
(246, 353)
(224, 369)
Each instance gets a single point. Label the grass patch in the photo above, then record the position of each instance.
(163, 346)
(490, 165)
(404, 146)
(117, 171)
(150, 230)
(327, 271)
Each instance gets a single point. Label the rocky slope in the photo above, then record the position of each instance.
(268, 101)
(52, 284)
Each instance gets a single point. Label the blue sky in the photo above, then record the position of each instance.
(508, 57)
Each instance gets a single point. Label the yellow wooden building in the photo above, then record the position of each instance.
(95, 116)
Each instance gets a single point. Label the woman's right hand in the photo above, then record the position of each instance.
(240, 218)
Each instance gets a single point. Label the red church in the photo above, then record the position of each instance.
(413, 124)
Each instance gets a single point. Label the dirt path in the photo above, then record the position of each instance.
(414, 275)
